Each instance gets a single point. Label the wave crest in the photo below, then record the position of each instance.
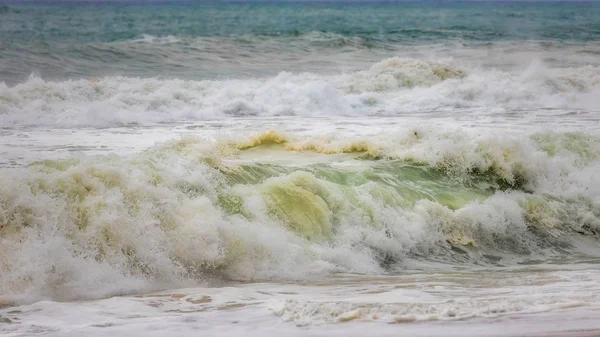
(392, 87)
(71, 229)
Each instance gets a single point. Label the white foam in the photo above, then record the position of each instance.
(147, 38)
(95, 226)
(476, 303)
(392, 87)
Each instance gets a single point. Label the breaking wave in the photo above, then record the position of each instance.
(391, 87)
(191, 210)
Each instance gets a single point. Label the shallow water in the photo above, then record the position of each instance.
(532, 301)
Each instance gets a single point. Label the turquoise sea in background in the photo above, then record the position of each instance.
(198, 40)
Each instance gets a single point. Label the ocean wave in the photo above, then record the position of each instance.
(71, 229)
(391, 87)
(308, 39)
(156, 39)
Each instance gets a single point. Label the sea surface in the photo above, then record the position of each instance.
(300, 168)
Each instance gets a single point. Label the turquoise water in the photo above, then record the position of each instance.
(379, 21)
(212, 40)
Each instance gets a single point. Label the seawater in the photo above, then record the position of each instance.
(299, 167)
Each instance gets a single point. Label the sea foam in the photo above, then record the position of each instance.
(184, 212)
(392, 87)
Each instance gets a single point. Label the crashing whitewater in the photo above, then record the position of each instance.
(237, 208)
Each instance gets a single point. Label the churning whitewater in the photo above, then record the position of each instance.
(193, 210)
(392, 87)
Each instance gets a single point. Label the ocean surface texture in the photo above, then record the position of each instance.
(300, 168)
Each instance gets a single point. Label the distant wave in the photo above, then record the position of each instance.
(311, 38)
(155, 39)
(391, 87)
(364, 40)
